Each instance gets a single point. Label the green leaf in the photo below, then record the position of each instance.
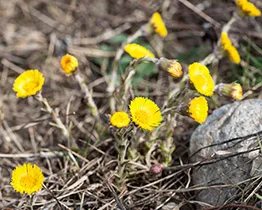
(146, 70)
(258, 196)
(120, 38)
(123, 63)
(192, 55)
(143, 71)
(106, 47)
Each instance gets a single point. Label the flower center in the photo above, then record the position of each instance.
(28, 181)
(67, 61)
(120, 118)
(30, 86)
(142, 116)
(202, 81)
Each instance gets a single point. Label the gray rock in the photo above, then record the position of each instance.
(237, 123)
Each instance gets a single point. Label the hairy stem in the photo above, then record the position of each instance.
(113, 79)
(88, 95)
(57, 120)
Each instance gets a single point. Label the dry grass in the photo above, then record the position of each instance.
(35, 34)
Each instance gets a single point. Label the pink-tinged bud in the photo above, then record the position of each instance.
(156, 169)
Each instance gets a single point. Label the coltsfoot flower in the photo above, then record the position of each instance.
(247, 8)
(175, 69)
(69, 63)
(28, 83)
(236, 92)
(145, 113)
(198, 109)
(27, 178)
(225, 41)
(137, 51)
(233, 90)
(158, 24)
(200, 77)
(171, 66)
(230, 49)
(120, 119)
(233, 55)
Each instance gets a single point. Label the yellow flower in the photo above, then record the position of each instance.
(225, 41)
(28, 83)
(233, 90)
(200, 77)
(233, 55)
(198, 109)
(175, 69)
(27, 178)
(137, 51)
(145, 113)
(241, 2)
(120, 119)
(229, 48)
(158, 24)
(171, 66)
(247, 8)
(236, 92)
(69, 63)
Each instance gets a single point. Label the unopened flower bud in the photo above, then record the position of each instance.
(156, 169)
(171, 66)
(69, 64)
(233, 90)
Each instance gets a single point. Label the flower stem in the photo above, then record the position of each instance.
(121, 93)
(119, 53)
(88, 95)
(31, 199)
(121, 158)
(168, 146)
(57, 120)
(122, 144)
(229, 24)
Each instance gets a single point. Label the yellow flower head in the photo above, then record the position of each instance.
(137, 51)
(225, 41)
(171, 66)
(175, 69)
(28, 83)
(233, 55)
(158, 24)
(240, 3)
(230, 49)
(200, 77)
(247, 8)
(232, 90)
(236, 92)
(198, 109)
(69, 63)
(120, 119)
(145, 113)
(27, 178)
